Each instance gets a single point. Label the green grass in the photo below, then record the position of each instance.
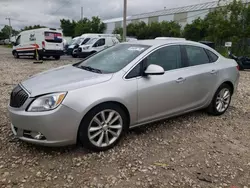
(7, 46)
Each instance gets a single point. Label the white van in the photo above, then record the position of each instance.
(96, 45)
(83, 39)
(39, 43)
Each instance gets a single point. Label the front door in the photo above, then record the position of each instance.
(162, 95)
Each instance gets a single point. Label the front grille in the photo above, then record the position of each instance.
(18, 97)
(79, 49)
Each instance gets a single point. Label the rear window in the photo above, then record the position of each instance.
(213, 57)
(53, 37)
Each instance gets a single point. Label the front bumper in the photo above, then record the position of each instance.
(59, 126)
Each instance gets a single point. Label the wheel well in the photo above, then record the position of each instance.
(230, 84)
(109, 102)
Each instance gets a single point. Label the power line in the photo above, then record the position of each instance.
(60, 7)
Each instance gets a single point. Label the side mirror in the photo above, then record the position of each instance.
(154, 70)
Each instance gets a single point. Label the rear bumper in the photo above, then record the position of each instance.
(51, 52)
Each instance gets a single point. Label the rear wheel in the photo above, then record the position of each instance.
(57, 57)
(103, 127)
(221, 100)
(15, 54)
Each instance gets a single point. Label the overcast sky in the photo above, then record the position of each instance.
(49, 12)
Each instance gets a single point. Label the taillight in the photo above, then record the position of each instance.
(238, 67)
(43, 44)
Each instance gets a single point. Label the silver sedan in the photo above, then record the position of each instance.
(94, 102)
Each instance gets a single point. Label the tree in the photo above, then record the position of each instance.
(32, 27)
(6, 31)
(68, 27)
(118, 30)
(82, 26)
(96, 25)
(195, 31)
(89, 26)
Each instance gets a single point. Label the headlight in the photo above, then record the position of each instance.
(85, 48)
(47, 102)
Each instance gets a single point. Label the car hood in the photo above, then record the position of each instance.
(64, 78)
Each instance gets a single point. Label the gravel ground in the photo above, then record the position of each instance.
(194, 150)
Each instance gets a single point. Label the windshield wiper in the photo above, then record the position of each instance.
(88, 68)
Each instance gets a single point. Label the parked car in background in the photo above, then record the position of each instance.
(243, 61)
(96, 45)
(83, 39)
(1, 42)
(39, 43)
(94, 102)
(130, 39)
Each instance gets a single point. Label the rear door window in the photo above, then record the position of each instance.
(196, 55)
(53, 37)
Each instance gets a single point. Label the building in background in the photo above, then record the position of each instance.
(182, 15)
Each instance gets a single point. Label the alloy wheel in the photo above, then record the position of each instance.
(105, 128)
(223, 100)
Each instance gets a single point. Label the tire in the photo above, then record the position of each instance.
(74, 55)
(213, 108)
(15, 54)
(101, 130)
(57, 57)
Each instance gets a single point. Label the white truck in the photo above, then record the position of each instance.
(39, 43)
(83, 39)
(94, 45)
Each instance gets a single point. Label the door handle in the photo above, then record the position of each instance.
(180, 80)
(213, 72)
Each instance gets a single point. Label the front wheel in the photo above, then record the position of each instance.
(15, 54)
(103, 127)
(57, 57)
(221, 100)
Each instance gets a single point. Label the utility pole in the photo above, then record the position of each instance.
(125, 20)
(10, 31)
(81, 13)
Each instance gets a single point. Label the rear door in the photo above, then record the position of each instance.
(53, 40)
(200, 75)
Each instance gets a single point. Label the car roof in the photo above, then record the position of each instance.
(161, 42)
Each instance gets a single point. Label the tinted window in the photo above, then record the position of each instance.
(213, 57)
(100, 42)
(114, 58)
(53, 37)
(196, 55)
(135, 72)
(18, 40)
(168, 57)
(85, 41)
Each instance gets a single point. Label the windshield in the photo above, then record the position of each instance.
(91, 41)
(73, 42)
(113, 59)
(79, 41)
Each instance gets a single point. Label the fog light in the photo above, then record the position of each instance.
(37, 135)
